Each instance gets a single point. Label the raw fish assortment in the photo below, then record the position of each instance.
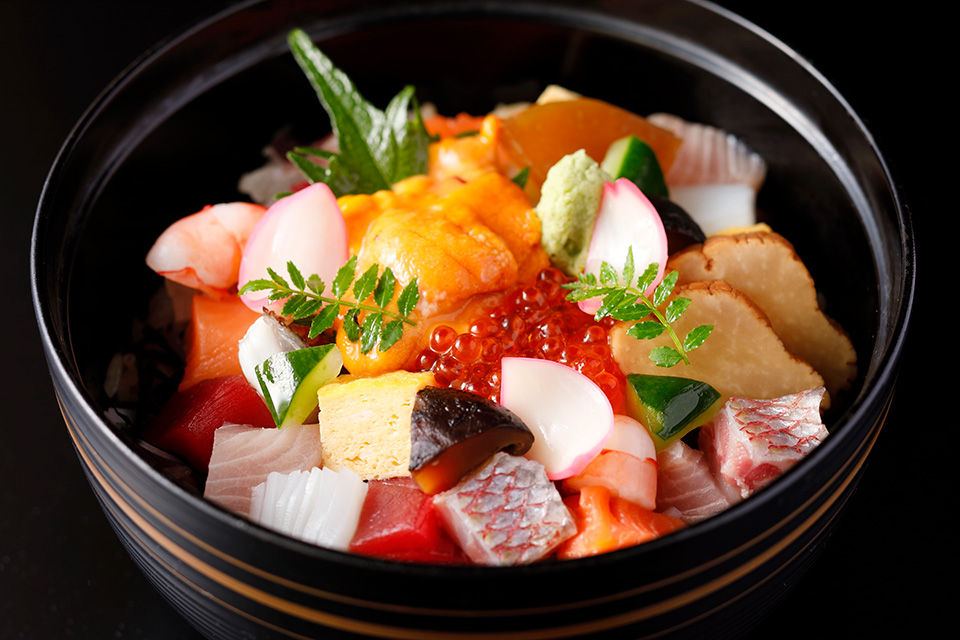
(540, 333)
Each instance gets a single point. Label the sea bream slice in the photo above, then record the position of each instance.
(751, 442)
(506, 513)
(687, 487)
(243, 457)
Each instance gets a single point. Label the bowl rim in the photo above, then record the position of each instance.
(884, 370)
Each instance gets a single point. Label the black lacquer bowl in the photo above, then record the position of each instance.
(179, 126)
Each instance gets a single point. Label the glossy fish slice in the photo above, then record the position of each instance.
(506, 513)
(751, 442)
(244, 456)
(687, 488)
(710, 156)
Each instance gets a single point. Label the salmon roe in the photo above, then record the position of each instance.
(532, 320)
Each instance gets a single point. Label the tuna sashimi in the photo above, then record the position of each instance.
(751, 442)
(687, 487)
(506, 513)
(244, 456)
(399, 522)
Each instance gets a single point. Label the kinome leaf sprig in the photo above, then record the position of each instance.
(305, 302)
(622, 300)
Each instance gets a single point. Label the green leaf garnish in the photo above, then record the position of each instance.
(622, 300)
(377, 148)
(306, 304)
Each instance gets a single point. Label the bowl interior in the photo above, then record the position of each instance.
(185, 133)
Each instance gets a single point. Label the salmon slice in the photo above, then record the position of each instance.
(606, 523)
(243, 457)
(215, 329)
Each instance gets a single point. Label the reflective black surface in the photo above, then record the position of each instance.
(63, 572)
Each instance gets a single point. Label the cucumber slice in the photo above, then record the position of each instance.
(290, 380)
(633, 159)
(670, 407)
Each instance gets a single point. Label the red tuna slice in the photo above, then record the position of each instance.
(398, 522)
(751, 442)
(687, 487)
(186, 424)
(506, 513)
(243, 457)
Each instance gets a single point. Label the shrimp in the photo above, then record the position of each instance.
(203, 250)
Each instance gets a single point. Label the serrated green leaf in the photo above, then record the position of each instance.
(256, 285)
(370, 332)
(676, 308)
(628, 268)
(408, 298)
(645, 330)
(392, 331)
(292, 304)
(295, 276)
(365, 284)
(663, 289)
(610, 301)
(324, 320)
(648, 276)
(696, 336)
(350, 326)
(608, 275)
(626, 313)
(383, 294)
(377, 148)
(345, 275)
(665, 356)
(308, 308)
(315, 284)
(277, 278)
(316, 153)
(277, 294)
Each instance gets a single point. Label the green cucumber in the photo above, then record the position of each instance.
(670, 407)
(289, 381)
(633, 159)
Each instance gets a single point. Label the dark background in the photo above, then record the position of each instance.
(888, 570)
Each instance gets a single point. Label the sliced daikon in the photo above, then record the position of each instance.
(716, 207)
(626, 221)
(570, 416)
(306, 228)
(320, 506)
(265, 337)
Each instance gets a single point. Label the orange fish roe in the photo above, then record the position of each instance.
(531, 320)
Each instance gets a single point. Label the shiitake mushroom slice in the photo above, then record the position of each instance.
(682, 231)
(453, 432)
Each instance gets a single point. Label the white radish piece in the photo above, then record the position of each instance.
(716, 207)
(629, 436)
(626, 221)
(570, 417)
(320, 506)
(265, 337)
(307, 228)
